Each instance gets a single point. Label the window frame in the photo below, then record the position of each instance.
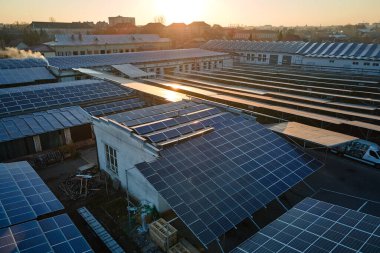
(111, 159)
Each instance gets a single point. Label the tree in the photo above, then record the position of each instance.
(52, 20)
(280, 36)
(159, 19)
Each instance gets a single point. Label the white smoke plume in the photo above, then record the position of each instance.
(11, 52)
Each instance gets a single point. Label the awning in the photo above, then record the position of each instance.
(132, 71)
(312, 134)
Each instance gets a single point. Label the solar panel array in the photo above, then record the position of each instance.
(114, 107)
(216, 180)
(262, 46)
(24, 75)
(23, 194)
(16, 127)
(358, 51)
(88, 61)
(37, 97)
(55, 234)
(316, 226)
(156, 113)
(22, 63)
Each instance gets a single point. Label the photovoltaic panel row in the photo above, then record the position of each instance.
(316, 226)
(156, 113)
(114, 107)
(171, 122)
(22, 63)
(215, 181)
(185, 129)
(23, 194)
(38, 97)
(24, 75)
(16, 127)
(55, 234)
(88, 61)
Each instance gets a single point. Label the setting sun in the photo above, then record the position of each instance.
(176, 11)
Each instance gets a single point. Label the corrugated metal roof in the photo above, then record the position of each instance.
(16, 127)
(78, 40)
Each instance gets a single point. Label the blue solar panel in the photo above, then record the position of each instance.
(17, 127)
(23, 194)
(22, 63)
(56, 234)
(24, 75)
(43, 96)
(114, 107)
(87, 61)
(316, 226)
(215, 181)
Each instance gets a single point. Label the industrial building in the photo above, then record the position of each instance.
(121, 20)
(83, 44)
(339, 57)
(212, 165)
(52, 28)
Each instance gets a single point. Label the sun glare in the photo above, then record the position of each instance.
(177, 11)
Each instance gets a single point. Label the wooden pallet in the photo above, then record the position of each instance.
(183, 247)
(163, 234)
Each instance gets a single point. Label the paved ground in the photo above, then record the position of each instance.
(341, 181)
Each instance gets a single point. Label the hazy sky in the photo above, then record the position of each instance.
(224, 12)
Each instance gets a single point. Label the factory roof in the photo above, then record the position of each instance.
(88, 61)
(80, 40)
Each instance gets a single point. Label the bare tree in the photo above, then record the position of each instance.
(159, 19)
(52, 19)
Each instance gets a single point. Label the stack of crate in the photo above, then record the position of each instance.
(183, 247)
(163, 234)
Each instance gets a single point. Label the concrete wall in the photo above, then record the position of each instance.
(131, 150)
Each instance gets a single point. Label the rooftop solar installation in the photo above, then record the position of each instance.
(44, 96)
(88, 61)
(23, 194)
(324, 49)
(24, 75)
(16, 127)
(217, 179)
(22, 63)
(114, 107)
(244, 45)
(55, 234)
(316, 226)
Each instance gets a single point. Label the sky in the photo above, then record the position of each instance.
(224, 12)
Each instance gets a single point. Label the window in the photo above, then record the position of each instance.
(75, 52)
(114, 51)
(332, 61)
(111, 158)
(355, 63)
(373, 154)
(248, 57)
(108, 51)
(102, 51)
(89, 51)
(96, 51)
(264, 57)
(82, 52)
(366, 64)
(252, 57)
(259, 57)
(375, 64)
(121, 51)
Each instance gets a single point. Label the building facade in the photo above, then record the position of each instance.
(78, 44)
(121, 20)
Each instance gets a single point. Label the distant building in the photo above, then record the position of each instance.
(45, 50)
(257, 35)
(121, 20)
(67, 45)
(53, 28)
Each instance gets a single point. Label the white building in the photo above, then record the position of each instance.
(79, 44)
(214, 166)
(353, 57)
